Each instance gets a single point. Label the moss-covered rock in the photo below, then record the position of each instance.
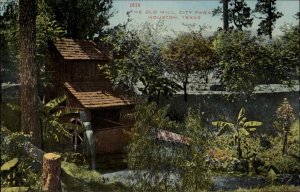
(77, 178)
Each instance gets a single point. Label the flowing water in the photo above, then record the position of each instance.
(90, 142)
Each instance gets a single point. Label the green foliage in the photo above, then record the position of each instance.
(272, 176)
(9, 165)
(51, 118)
(284, 119)
(54, 129)
(81, 19)
(8, 175)
(12, 145)
(18, 171)
(80, 178)
(285, 115)
(21, 175)
(272, 188)
(72, 157)
(258, 159)
(15, 145)
(162, 166)
(246, 60)
(285, 164)
(137, 58)
(47, 29)
(294, 140)
(8, 51)
(189, 54)
(15, 189)
(240, 130)
(221, 155)
(239, 14)
(241, 60)
(81, 173)
(287, 55)
(272, 157)
(267, 23)
(192, 180)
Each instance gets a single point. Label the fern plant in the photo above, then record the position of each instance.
(272, 176)
(240, 129)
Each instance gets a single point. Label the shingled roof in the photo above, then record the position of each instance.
(72, 49)
(93, 95)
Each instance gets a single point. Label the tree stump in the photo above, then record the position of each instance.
(51, 172)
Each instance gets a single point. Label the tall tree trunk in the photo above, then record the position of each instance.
(157, 97)
(185, 91)
(225, 15)
(269, 19)
(285, 143)
(1, 61)
(239, 150)
(29, 94)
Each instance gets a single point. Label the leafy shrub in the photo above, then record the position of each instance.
(239, 131)
(163, 166)
(12, 145)
(72, 157)
(273, 157)
(284, 120)
(221, 157)
(25, 173)
(51, 115)
(294, 140)
(285, 164)
(18, 172)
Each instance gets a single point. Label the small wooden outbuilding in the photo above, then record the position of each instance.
(75, 67)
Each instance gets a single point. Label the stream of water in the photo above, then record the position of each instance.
(90, 142)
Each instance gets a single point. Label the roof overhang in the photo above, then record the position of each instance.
(98, 95)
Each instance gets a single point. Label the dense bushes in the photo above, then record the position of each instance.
(165, 166)
(26, 171)
(268, 155)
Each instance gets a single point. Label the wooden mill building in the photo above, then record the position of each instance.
(75, 69)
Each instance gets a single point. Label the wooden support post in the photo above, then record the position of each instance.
(51, 172)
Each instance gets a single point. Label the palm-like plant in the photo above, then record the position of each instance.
(240, 129)
(51, 114)
(52, 124)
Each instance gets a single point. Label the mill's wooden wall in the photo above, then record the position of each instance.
(61, 71)
(81, 71)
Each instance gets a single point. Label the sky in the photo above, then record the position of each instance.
(175, 13)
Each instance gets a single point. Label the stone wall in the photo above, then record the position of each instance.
(10, 92)
(260, 107)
